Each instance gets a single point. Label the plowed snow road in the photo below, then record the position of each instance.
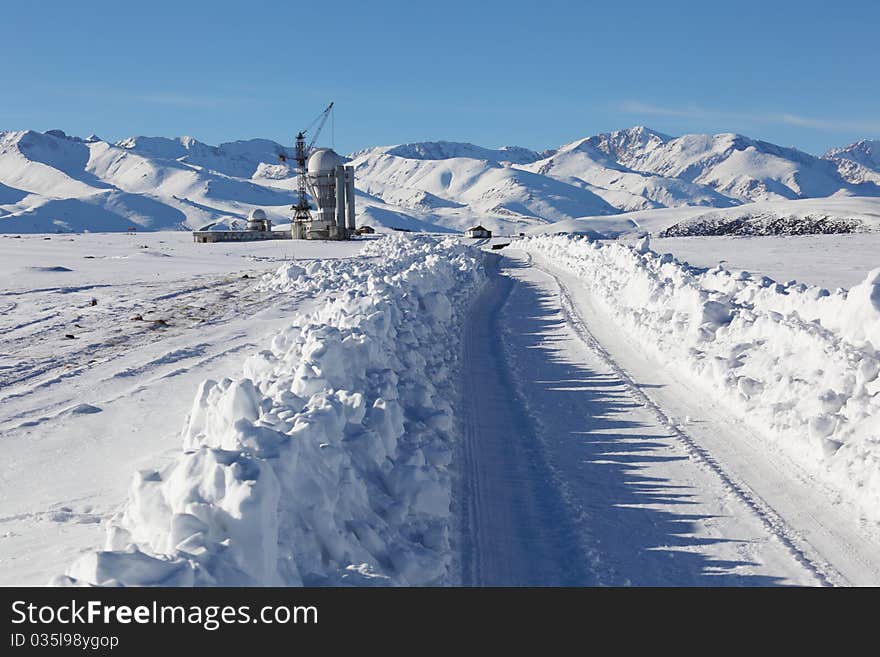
(576, 473)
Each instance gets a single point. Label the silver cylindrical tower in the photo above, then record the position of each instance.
(349, 198)
(340, 201)
(322, 180)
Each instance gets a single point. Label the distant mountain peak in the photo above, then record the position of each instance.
(865, 152)
(445, 150)
(642, 131)
(622, 144)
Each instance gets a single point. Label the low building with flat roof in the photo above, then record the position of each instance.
(478, 232)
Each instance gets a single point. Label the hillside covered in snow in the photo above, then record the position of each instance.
(52, 182)
(837, 214)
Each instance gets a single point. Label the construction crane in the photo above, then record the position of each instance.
(303, 150)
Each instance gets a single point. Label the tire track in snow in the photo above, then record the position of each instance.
(802, 552)
(37, 373)
(232, 298)
(66, 409)
(517, 529)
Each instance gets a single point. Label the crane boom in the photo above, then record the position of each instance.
(323, 120)
(301, 209)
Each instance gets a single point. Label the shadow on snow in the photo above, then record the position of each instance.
(598, 522)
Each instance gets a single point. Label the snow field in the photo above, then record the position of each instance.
(798, 362)
(326, 462)
(829, 261)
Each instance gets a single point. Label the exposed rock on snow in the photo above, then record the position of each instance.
(839, 214)
(764, 224)
(326, 462)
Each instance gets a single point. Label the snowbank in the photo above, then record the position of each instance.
(800, 363)
(326, 463)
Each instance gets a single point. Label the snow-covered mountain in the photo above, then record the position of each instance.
(594, 163)
(865, 152)
(859, 162)
(626, 170)
(443, 150)
(242, 159)
(741, 168)
(462, 183)
(53, 182)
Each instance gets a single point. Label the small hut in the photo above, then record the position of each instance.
(478, 232)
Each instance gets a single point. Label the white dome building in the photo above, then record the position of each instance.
(331, 186)
(257, 220)
(323, 160)
(322, 179)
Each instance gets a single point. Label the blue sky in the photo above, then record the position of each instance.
(534, 74)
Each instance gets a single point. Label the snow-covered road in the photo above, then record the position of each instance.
(578, 472)
(516, 527)
(337, 387)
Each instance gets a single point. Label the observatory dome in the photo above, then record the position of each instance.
(257, 220)
(323, 160)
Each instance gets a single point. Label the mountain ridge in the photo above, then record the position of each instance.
(51, 181)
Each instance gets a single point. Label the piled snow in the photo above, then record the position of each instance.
(326, 463)
(799, 362)
(830, 261)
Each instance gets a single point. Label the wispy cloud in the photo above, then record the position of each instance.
(687, 112)
(187, 100)
(181, 99)
(696, 112)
